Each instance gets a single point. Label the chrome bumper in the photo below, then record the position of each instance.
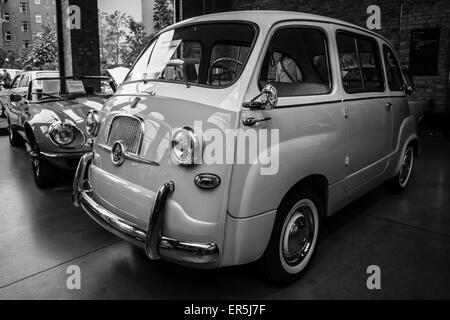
(155, 245)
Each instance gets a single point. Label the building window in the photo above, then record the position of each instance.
(6, 17)
(37, 1)
(8, 36)
(38, 18)
(25, 26)
(26, 43)
(23, 7)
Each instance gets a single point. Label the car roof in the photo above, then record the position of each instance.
(270, 17)
(35, 72)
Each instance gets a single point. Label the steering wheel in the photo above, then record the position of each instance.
(222, 60)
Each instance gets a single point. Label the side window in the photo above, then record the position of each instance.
(15, 82)
(24, 81)
(359, 62)
(393, 72)
(184, 64)
(296, 62)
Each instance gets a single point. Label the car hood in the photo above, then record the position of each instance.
(73, 111)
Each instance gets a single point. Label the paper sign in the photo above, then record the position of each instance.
(75, 86)
(163, 51)
(51, 86)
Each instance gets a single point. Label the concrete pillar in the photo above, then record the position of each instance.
(78, 37)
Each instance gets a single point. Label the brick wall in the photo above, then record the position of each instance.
(416, 14)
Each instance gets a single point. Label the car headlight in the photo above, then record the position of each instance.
(62, 133)
(185, 146)
(93, 123)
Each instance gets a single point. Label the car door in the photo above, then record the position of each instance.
(307, 120)
(17, 108)
(367, 108)
(397, 96)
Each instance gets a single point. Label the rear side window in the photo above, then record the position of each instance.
(296, 62)
(24, 81)
(359, 62)
(393, 72)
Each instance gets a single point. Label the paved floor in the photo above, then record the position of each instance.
(407, 235)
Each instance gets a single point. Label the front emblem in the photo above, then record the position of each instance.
(118, 153)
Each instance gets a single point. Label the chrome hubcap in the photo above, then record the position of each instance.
(405, 170)
(298, 235)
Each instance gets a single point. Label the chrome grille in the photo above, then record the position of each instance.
(128, 130)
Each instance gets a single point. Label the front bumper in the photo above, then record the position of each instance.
(204, 255)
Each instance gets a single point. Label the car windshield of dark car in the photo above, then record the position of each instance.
(44, 89)
(212, 54)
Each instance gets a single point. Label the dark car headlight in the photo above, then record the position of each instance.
(62, 133)
(92, 123)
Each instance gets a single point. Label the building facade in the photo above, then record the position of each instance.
(21, 19)
(418, 29)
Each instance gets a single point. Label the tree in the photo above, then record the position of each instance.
(162, 14)
(43, 52)
(136, 39)
(113, 29)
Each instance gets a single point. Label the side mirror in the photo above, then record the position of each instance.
(16, 98)
(269, 102)
(409, 90)
(409, 83)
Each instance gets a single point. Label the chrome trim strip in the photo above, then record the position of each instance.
(88, 204)
(130, 156)
(62, 154)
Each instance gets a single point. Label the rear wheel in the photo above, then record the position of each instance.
(400, 181)
(45, 175)
(293, 242)
(15, 139)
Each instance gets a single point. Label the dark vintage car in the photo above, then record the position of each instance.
(50, 121)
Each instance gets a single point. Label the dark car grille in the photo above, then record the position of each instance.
(128, 130)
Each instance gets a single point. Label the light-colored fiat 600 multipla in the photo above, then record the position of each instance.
(234, 134)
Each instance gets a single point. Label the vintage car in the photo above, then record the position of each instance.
(182, 165)
(51, 120)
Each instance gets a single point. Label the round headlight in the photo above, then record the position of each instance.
(184, 146)
(62, 133)
(92, 123)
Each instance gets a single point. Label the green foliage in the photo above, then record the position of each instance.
(136, 40)
(163, 15)
(113, 29)
(42, 53)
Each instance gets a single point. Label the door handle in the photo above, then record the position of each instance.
(249, 122)
(388, 106)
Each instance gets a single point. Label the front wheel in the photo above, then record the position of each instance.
(400, 181)
(15, 139)
(293, 242)
(45, 175)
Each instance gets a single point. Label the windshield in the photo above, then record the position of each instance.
(50, 88)
(207, 54)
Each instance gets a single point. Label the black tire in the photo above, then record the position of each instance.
(15, 139)
(274, 265)
(45, 174)
(400, 182)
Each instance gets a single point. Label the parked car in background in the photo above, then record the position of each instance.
(5, 91)
(333, 103)
(50, 118)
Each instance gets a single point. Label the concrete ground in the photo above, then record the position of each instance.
(407, 236)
